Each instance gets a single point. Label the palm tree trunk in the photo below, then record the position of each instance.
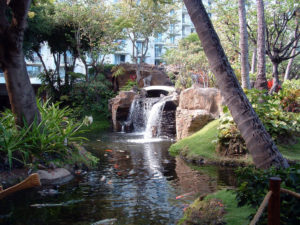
(260, 144)
(244, 45)
(290, 63)
(254, 60)
(261, 80)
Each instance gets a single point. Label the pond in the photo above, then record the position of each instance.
(135, 182)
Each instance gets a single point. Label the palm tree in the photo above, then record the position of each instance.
(261, 80)
(244, 45)
(12, 62)
(260, 144)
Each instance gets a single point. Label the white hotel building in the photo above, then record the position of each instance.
(157, 47)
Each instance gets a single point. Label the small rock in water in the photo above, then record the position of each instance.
(105, 222)
(131, 172)
(48, 192)
(121, 151)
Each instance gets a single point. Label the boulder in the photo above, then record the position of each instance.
(208, 99)
(58, 175)
(190, 121)
(197, 107)
(120, 106)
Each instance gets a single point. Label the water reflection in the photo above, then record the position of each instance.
(136, 182)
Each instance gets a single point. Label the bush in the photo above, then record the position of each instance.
(43, 143)
(129, 85)
(279, 123)
(90, 97)
(253, 184)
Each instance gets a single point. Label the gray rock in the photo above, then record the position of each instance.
(55, 176)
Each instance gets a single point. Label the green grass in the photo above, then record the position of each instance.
(291, 152)
(199, 144)
(234, 215)
(202, 144)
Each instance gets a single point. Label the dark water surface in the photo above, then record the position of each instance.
(136, 182)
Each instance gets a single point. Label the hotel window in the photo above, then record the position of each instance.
(158, 51)
(172, 28)
(139, 46)
(158, 38)
(33, 71)
(120, 59)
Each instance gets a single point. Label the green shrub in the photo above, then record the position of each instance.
(89, 97)
(253, 184)
(12, 142)
(279, 123)
(43, 143)
(129, 85)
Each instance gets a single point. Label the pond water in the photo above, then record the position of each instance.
(136, 182)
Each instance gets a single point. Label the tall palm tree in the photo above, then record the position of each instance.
(261, 80)
(263, 150)
(244, 45)
(12, 62)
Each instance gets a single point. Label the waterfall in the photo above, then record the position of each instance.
(154, 121)
(139, 113)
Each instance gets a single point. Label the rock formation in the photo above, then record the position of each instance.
(197, 107)
(119, 107)
(151, 75)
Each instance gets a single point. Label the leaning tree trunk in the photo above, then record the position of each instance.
(263, 150)
(244, 45)
(261, 79)
(20, 92)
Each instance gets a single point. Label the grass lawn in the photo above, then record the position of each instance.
(202, 143)
(291, 152)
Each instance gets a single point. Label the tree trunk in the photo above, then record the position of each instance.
(20, 91)
(244, 45)
(261, 80)
(67, 69)
(254, 60)
(290, 63)
(275, 78)
(260, 144)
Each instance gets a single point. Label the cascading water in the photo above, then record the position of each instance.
(154, 121)
(139, 113)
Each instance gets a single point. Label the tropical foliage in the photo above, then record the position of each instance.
(278, 114)
(41, 143)
(253, 184)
